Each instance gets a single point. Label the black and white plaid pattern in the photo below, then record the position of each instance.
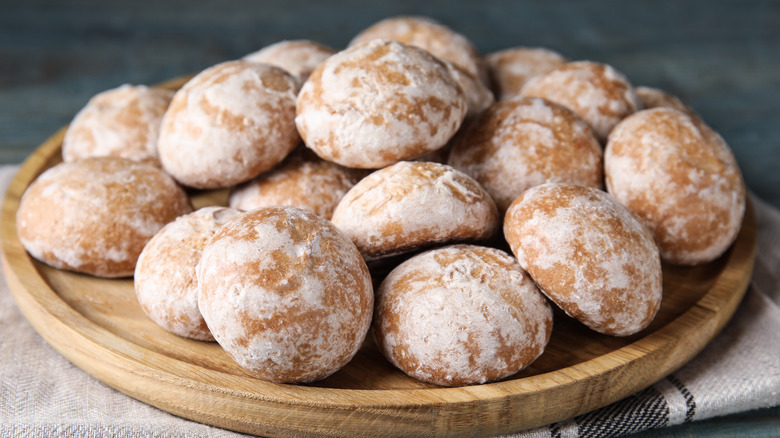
(647, 409)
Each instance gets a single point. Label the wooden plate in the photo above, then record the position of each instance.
(98, 325)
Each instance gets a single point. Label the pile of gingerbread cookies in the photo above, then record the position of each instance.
(405, 186)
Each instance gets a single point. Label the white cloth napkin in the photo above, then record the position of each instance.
(44, 395)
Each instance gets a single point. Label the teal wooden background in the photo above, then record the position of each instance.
(721, 57)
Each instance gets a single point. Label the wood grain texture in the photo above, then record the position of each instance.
(99, 326)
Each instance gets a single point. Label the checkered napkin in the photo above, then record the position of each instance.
(43, 395)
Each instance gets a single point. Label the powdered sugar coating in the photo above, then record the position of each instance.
(461, 315)
(375, 104)
(122, 122)
(588, 254)
(478, 95)
(96, 214)
(228, 124)
(410, 205)
(598, 93)
(511, 68)
(430, 35)
(305, 182)
(297, 57)
(165, 282)
(517, 144)
(681, 178)
(285, 293)
(656, 98)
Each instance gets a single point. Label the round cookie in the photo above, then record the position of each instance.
(461, 315)
(588, 254)
(596, 92)
(655, 98)
(164, 280)
(302, 181)
(96, 214)
(411, 205)
(478, 95)
(378, 103)
(297, 57)
(511, 68)
(286, 294)
(121, 122)
(430, 35)
(520, 143)
(681, 178)
(228, 124)
(478, 99)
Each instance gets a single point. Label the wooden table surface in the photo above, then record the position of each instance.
(720, 57)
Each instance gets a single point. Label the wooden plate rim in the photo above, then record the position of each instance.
(39, 302)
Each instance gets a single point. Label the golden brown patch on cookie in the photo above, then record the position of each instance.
(460, 315)
(655, 98)
(122, 122)
(478, 95)
(298, 57)
(680, 177)
(96, 214)
(588, 254)
(411, 205)
(423, 32)
(379, 103)
(229, 123)
(518, 144)
(165, 280)
(285, 293)
(510, 69)
(598, 93)
(302, 180)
